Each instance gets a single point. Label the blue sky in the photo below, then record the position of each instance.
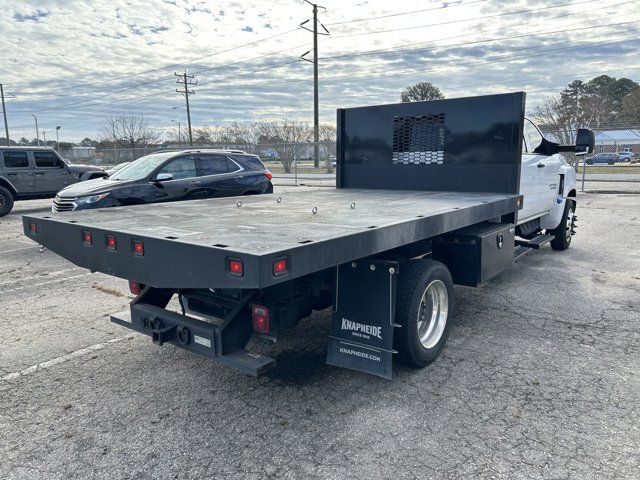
(74, 62)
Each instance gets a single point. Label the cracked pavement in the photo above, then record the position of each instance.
(539, 379)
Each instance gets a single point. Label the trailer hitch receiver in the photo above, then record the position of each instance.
(161, 336)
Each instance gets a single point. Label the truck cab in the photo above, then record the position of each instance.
(28, 173)
(546, 182)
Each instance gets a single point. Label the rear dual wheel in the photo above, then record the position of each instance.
(423, 304)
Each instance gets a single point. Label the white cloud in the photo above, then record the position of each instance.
(73, 62)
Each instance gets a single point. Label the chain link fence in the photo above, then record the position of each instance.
(616, 157)
(287, 157)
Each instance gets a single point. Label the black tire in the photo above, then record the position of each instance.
(415, 277)
(562, 232)
(6, 201)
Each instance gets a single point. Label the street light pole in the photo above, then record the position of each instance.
(37, 131)
(58, 138)
(44, 137)
(179, 137)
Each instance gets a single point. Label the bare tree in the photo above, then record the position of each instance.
(287, 137)
(327, 135)
(128, 130)
(173, 135)
(575, 107)
(235, 135)
(238, 133)
(420, 92)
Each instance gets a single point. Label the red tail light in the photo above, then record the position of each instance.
(135, 287)
(280, 266)
(236, 268)
(86, 238)
(138, 247)
(260, 319)
(268, 174)
(111, 242)
(33, 228)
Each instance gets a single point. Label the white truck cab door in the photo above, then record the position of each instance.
(539, 176)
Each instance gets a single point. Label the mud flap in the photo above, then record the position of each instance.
(362, 322)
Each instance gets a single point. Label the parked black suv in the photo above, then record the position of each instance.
(27, 173)
(171, 176)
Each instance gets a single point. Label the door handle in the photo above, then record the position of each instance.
(541, 165)
(39, 174)
(238, 176)
(197, 182)
(12, 174)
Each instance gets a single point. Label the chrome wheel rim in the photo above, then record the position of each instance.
(569, 225)
(432, 313)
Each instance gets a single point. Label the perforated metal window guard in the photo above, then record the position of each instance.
(418, 140)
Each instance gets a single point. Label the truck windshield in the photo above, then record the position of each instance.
(141, 167)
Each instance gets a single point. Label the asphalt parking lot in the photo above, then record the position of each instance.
(540, 379)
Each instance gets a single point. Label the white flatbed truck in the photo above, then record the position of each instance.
(429, 194)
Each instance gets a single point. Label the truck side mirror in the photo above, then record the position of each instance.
(585, 141)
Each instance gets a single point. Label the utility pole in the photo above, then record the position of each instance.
(44, 137)
(58, 138)
(4, 112)
(37, 131)
(185, 81)
(316, 115)
(179, 136)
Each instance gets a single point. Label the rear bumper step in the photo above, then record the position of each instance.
(204, 338)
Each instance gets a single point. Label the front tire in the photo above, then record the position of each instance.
(564, 231)
(423, 303)
(6, 201)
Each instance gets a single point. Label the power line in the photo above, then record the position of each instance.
(355, 20)
(160, 93)
(223, 66)
(79, 102)
(171, 66)
(475, 42)
(397, 72)
(339, 78)
(524, 79)
(449, 22)
(399, 48)
(138, 102)
(234, 77)
(259, 41)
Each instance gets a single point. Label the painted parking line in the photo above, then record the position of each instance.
(19, 249)
(41, 277)
(45, 283)
(62, 359)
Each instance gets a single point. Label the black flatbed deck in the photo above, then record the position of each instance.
(188, 244)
